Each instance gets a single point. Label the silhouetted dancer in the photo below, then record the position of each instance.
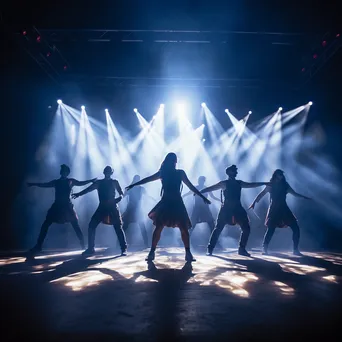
(201, 212)
(279, 214)
(133, 212)
(107, 212)
(170, 211)
(231, 212)
(62, 210)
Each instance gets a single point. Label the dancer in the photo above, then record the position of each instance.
(201, 212)
(107, 212)
(279, 214)
(62, 210)
(231, 212)
(132, 213)
(170, 211)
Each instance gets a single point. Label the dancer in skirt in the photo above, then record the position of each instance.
(170, 211)
(107, 212)
(62, 210)
(133, 212)
(201, 212)
(279, 214)
(231, 212)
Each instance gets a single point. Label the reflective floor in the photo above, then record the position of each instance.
(278, 296)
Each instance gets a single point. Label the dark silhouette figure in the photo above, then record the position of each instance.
(133, 212)
(231, 212)
(170, 211)
(62, 210)
(279, 214)
(201, 212)
(107, 212)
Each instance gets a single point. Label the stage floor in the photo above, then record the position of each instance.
(62, 296)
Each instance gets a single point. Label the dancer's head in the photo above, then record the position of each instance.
(136, 178)
(64, 171)
(108, 171)
(201, 180)
(231, 171)
(278, 176)
(168, 164)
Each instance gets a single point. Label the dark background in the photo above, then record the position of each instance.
(252, 69)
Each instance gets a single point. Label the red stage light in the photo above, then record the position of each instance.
(315, 56)
(24, 33)
(48, 54)
(65, 67)
(338, 35)
(324, 43)
(38, 39)
(303, 69)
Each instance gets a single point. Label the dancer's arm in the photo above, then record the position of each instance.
(149, 179)
(118, 188)
(296, 194)
(186, 180)
(218, 186)
(85, 191)
(214, 197)
(260, 196)
(81, 183)
(43, 185)
(252, 184)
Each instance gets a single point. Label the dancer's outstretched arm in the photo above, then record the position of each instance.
(186, 180)
(219, 186)
(149, 179)
(43, 185)
(81, 183)
(247, 185)
(85, 191)
(260, 196)
(296, 194)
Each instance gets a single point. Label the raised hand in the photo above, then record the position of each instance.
(74, 196)
(129, 187)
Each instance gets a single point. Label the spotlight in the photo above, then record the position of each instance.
(203, 104)
(59, 102)
(250, 112)
(162, 105)
(310, 103)
(280, 108)
(82, 107)
(226, 110)
(203, 140)
(106, 110)
(135, 110)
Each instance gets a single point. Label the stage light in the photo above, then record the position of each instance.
(39, 39)
(250, 112)
(48, 54)
(303, 69)
(135, 110)
(226, 110)
(59, 102)
(65, 67)
(82, 107)
(24, 33)
(310, 103)
(203, 104)
(315, 56)
(106, 110)
(280, 108)
(203, 140)
(324, 43)
(338, 35)
(162, 105)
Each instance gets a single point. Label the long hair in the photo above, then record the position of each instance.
(168, 165)
(274, 175)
